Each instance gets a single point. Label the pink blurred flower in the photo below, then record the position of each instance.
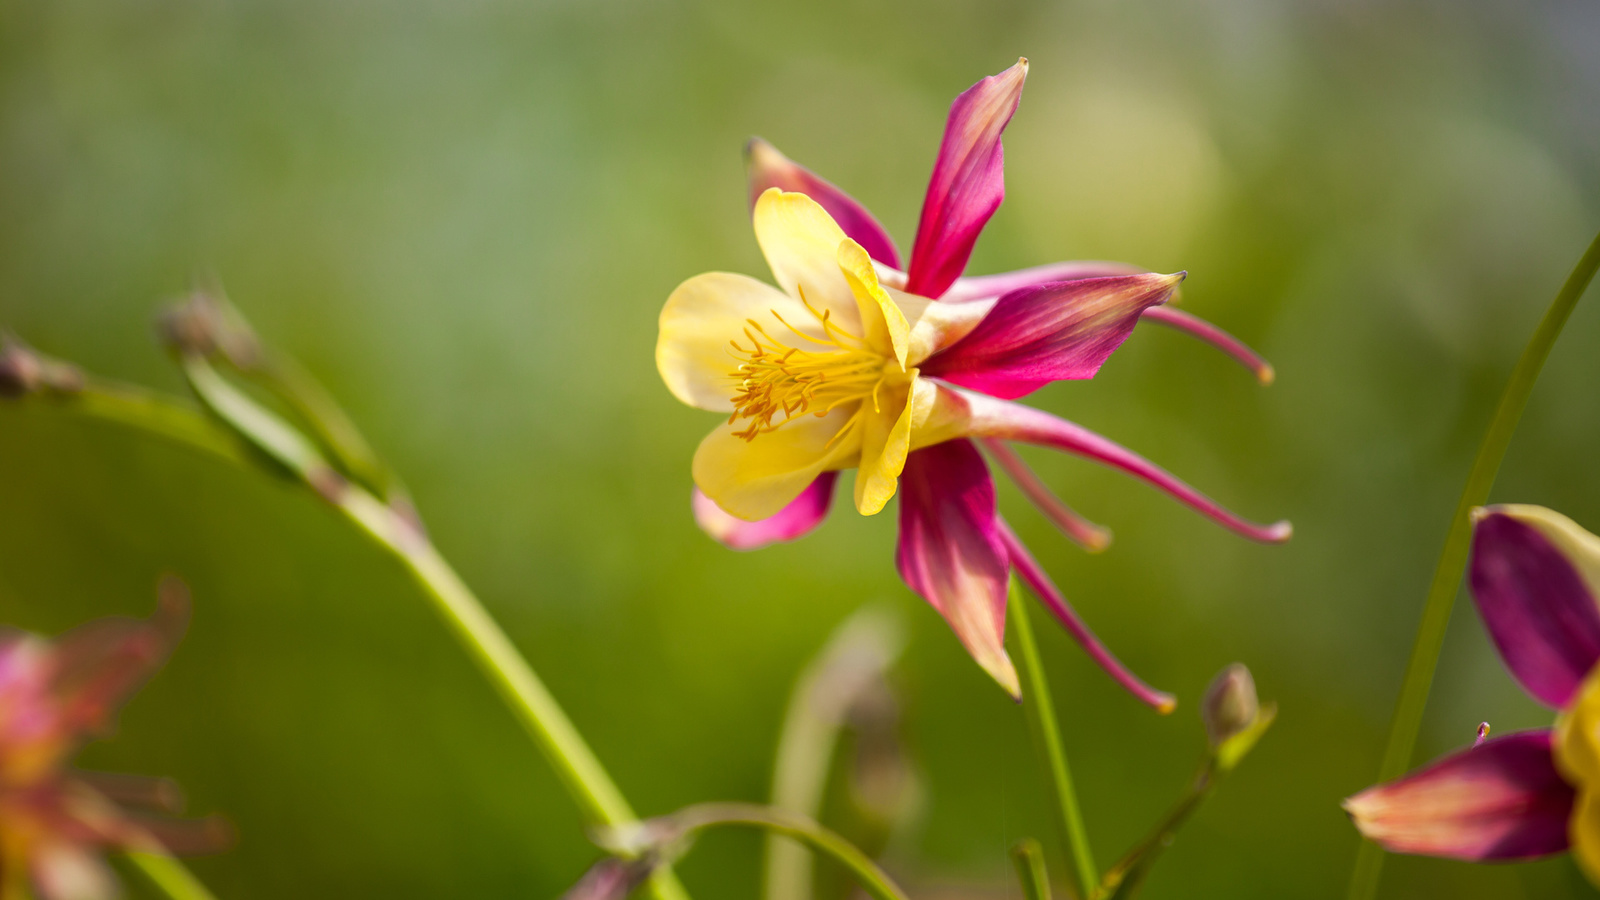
(902, 374)
(55, 695)
(1535, 577)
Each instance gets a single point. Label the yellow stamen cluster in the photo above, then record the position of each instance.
(778, 382)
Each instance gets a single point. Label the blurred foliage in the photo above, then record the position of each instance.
(464, 219)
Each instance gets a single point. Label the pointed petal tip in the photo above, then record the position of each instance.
(1000, 668)
(1479, 513)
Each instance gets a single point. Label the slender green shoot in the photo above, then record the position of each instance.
(1028, 857)
(1413, 699)
(171, 876)
(1047, 740)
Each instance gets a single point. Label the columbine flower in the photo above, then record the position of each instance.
(53, 696)
(1535, 575)
(851, 363)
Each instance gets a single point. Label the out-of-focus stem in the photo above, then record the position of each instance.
(1047, 738)
(1028, 857)
(171, 876)
(530, 701)
(856, 656)
(1446, 583)
(1124, 879)
(868, 874)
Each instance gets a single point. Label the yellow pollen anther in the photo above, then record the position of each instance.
(778, 382)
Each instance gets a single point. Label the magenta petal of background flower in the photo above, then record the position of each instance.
(1502, 799)
(951, 551)
(803, 514)
(968, 181)
(1194, 326)
(767, 168)
(97, 666)
(1034, 576)
(1536, 606)
(983, 287)
(1008, 421)
(1049, 332)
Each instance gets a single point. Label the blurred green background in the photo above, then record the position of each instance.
(465, 217)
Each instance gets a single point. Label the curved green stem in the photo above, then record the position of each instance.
(868, 874)
(172, 877)
(1047, 737)
(530, 701)
(1418, 681)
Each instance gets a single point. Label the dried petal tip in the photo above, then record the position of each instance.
(206, 324)
(610, 879)
(24, 371)
(1230, 705)
(21, 371)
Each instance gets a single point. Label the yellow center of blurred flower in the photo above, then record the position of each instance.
(779, 381)
(1577, 752)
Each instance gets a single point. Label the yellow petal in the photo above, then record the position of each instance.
(883, 324)
(700, 318)
(1583, 830)
(1577, 756)
(801, 243)
(886, 441)
(755, 479)
(1577, 743)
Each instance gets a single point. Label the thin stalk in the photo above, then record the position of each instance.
(172, 877)
(1047, 739)
(530, 701)
(867, 873)
(1028, 857)
(1446, 584)
(855, 659)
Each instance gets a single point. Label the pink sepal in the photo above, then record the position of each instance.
(1057, 331)
(968, 181)
(1502, 799)
(803, 514)
(1537, 607)
(767, 168)
(951, 551)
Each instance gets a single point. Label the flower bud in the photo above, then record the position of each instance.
(1230, 705)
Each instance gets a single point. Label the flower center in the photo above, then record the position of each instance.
(779, 381)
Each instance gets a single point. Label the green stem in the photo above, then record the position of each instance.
(1047, 737)
(1028, 857)
(530, 701)
(171, 876)
(871, 877)
(1418, 681)
(1124, 879)
(856, 658)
